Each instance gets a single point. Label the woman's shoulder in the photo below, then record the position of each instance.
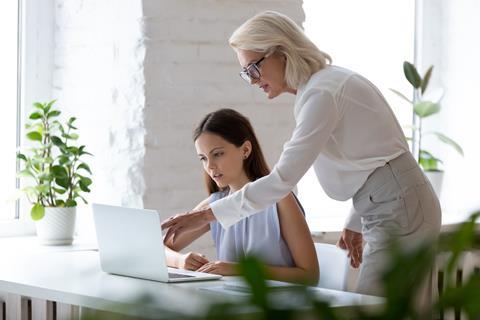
(288, 204)
(328, 79)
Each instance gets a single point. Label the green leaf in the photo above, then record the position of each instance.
(34, 136)
(62, 182)
(73, 150)
(60, 203)
(35, 116)
(59, 190)
(83, 186)
(57, 141)
(86, 181)
(38, 105)
(254, 274)
(79, 196)
(424, 109)
(45, 177)
(63, 160)
(48, 160)
(59, 172)
(71, 120)
(25, 174)
(54, 113)
(36, 166)
(37, 212)
(426, 79)
(43, 188)
(73, 136)
(449, 141)
(49, 105)
(428, 161)
(21, 156)
(70, 203)
(401, 95)
(81, 151)
(412, 75)
(85, 167)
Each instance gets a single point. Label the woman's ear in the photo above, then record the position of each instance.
(246, 148)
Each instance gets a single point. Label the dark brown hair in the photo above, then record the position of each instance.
(235, 128)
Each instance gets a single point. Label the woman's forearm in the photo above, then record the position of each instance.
(293, 274)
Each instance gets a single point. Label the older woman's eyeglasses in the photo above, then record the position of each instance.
(252, 72)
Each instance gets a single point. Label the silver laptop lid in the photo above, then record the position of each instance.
(130, 242)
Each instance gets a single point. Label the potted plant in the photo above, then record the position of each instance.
(57, 172)
(422, 109)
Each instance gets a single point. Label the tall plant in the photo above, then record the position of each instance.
(424, 108)
(53, 163)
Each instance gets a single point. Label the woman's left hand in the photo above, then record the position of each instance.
(219, 267)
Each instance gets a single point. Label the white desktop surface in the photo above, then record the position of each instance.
(76, 278)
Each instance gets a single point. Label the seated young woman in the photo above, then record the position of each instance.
(231, 156)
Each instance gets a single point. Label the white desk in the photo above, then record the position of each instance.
(75, 278)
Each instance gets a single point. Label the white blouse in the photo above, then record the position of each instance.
(344, 128)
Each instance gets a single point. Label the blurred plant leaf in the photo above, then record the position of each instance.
(401, 95)
(57, 141)
(35, 116)
(34, 136)
(411, 74)
(85, 167)
(54, 113)
(426, 79)
(449, 141)
(424, 109)
(466, 297)
(428, 161)
(21, 156)
(252, 270)
(37, 212)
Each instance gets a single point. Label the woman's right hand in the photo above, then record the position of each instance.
(191, 261)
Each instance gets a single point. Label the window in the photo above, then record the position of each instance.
(451, 43)
(9, 84)
(371, 37)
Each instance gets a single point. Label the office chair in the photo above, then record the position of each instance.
(333, 263)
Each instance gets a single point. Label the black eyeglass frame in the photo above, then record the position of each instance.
(247, 75)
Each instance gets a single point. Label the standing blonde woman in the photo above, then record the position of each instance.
(344, 129)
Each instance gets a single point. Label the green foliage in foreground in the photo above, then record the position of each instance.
(401, 280)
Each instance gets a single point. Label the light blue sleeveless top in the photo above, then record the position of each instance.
(258, 234)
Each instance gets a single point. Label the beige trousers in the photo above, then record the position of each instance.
(397, 201)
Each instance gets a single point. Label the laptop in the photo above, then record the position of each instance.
(130, 243)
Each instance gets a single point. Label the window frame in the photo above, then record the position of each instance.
(34, 82)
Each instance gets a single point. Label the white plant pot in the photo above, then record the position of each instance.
(436, 179)
(57, 226)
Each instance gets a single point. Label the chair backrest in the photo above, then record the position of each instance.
(333, 263)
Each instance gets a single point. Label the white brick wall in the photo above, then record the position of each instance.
(140, 75)
(98, 78)
(190, 71)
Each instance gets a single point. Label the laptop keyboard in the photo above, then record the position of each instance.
(178, 276)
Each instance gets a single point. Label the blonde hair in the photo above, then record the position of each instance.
(269, 32)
